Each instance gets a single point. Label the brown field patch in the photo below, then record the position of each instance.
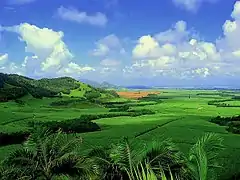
(136, 94)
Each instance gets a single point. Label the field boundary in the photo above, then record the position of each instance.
(21, 119)
(156, 127)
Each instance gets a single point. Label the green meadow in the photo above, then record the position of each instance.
(182, 115)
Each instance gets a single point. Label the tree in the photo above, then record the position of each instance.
(121, 160)
(48, 156)
(55, 156)
(92, 95)
(158, 160)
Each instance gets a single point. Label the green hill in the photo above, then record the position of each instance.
(14, 86)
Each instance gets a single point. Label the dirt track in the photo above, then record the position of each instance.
(136, 95)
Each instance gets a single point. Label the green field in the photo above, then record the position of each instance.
(182, 115)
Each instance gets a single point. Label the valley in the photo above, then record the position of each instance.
(102, 117)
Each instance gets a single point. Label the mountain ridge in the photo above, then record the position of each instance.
(104, 84)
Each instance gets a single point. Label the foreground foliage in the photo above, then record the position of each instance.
(48, 156)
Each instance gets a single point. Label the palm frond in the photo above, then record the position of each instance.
(47, 155)
(202, 156)
(38, 134)
(126, 153)
(145, 172)
(164, 154)
(21, 157)
(61, 177)
(12, 172)
(100, 155)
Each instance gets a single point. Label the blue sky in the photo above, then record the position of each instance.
(148, 42)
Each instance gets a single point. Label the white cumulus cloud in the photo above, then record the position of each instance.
(72, 14)
(74, 70)
(148, 47)
(108, 44)
(50, 53)
(179, 54)
(175, 53)
(3, 59)
(236, 11)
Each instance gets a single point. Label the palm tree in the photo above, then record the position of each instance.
(114, 161)
(164, 156)
(55, 156)
(124, 158)
(11, 172)
(49, 156)
(158, 160)
(145, 172)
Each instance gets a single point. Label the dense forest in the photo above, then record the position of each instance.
(14, 86)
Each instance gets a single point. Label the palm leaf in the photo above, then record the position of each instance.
(145, 172)
(164, 155)
(202, 156)
(47, 155)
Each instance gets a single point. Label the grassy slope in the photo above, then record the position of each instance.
(79, 92)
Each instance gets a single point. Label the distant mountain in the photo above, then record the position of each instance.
(107, 85)
(139, 87)
(91, 83)
(104, 85)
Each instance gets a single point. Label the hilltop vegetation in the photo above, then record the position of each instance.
(15, 86)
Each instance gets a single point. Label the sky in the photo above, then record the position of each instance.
(125, 42)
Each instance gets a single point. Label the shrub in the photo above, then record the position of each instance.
(67, 102)
(91, 95)
(11, 93)
(220, 103)
(141, 112)
(232, 123)
(123, 108)
(70, 126)
(152, 97)
(220, 120)
(7, 138)
(20, 102)
(66, 91)
(122, 104)
(113, 93)
(236, 97)
(115, 102)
